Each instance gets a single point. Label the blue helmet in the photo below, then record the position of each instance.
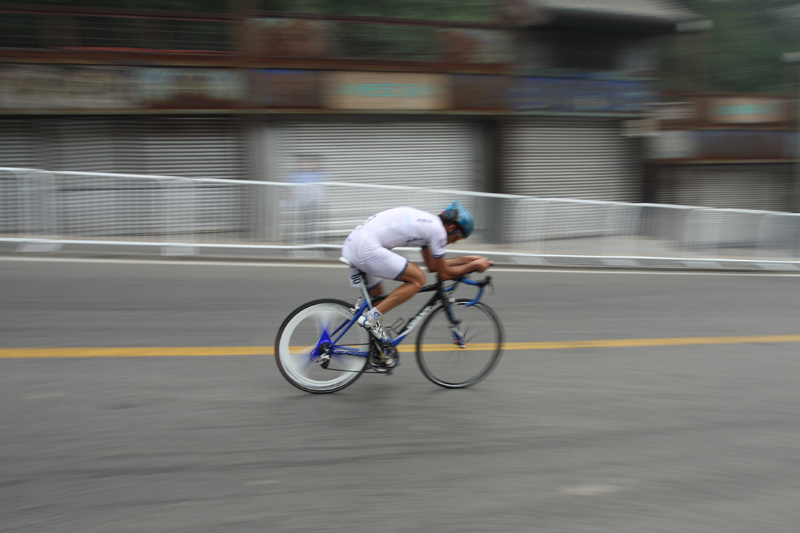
(461, 217)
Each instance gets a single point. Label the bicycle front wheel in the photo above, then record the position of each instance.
(312, 331)
(459, 356)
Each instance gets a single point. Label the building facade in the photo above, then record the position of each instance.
(549, 100)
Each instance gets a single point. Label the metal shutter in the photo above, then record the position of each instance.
(417, 154)
(199, 147)
(202, 147)
(86, 144)
(581, 158)
(435, 154)
(18, 145)
(760, 187)
(195, 147)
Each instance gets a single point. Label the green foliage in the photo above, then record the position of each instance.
(461, 10)
(742, 52)
(210, 6)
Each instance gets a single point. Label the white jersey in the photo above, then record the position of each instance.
(405, 226)
(367, 246)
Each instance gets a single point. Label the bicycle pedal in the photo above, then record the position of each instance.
(383, 370)
(384, 365)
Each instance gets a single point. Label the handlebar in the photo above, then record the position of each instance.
(480, 284)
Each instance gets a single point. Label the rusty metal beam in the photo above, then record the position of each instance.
(236, 60)
(228, 17)
(115, 13)
(361, 19)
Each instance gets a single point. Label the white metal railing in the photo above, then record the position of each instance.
(79, 207)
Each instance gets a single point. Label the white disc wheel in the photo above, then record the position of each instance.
(313, 331)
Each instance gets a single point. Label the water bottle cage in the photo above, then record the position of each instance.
(397, 328)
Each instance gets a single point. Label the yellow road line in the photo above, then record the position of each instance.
(632, 343)
(34, 353)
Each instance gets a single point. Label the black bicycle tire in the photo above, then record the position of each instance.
(285, 373)
(488, 369)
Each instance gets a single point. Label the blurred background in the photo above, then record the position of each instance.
(651, 102)
(140, 396)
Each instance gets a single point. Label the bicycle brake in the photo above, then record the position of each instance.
(357, 305)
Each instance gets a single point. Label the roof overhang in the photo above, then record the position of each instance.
(619, 15)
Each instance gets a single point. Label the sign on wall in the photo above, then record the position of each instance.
(747, 110)
(479, 92)
(714, 144)
(189, 88)
(72, 87)
(52, 87)
(65, 87)
(286, 88)
(386, 91)
(702, 110)
(724, 145)
(580, 95)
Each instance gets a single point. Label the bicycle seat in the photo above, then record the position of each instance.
(359, 279)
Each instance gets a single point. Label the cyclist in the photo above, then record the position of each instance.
(368, 249)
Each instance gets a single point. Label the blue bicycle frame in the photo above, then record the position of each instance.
(331, 339)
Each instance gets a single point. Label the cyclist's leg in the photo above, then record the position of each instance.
(413, 279)
(377, 290)
(381, 263)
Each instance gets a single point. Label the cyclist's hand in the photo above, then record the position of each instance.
(481, 265)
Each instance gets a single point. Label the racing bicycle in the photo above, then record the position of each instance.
(319, 347)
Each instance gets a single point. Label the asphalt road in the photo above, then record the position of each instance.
(702, 436)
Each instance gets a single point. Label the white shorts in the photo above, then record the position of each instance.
(377, 262)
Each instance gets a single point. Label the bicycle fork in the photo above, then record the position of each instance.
(455, 327)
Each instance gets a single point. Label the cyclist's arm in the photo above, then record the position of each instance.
(450, 268)
(464, 259)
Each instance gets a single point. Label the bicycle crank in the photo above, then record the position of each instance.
(384, 358)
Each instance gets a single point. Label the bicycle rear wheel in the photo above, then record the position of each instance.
(444, 361)
(307, 333)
